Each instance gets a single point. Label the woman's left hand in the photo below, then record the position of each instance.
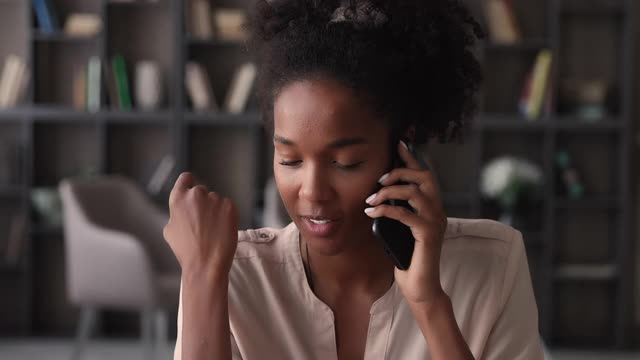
(420, 284)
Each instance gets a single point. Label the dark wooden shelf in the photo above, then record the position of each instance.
(496, 121)
(136, 116)
(214, 42)
(587, 203)
(586, 272)
(133, 2)
(221, 118)
(61, 37)
(592, 7)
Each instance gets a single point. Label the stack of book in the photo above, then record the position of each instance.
(201, 93)
(14, 81)
(88, 85)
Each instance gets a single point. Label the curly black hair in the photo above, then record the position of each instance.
(411, 61)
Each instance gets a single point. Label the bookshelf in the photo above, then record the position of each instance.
(577, 249)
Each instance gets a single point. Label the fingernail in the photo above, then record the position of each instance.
(369, 210)
(370, 198)
(383, 178)
(403, 144)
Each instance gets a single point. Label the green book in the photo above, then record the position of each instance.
(122, 82)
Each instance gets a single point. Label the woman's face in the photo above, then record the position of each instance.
(329, 153)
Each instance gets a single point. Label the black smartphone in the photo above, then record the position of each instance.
(396, 237)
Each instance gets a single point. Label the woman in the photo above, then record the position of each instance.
(341, 84)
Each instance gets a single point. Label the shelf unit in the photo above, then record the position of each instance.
(577, 249)
(570, 259)
(59, 141)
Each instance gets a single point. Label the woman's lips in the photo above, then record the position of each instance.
(321, 230)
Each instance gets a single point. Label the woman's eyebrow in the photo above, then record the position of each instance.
(340, 143)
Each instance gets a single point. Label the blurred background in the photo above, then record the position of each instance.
(104, 102)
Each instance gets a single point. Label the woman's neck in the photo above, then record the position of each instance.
(362, 269)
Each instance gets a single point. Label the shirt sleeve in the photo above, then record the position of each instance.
(177, 352)
(515, 334)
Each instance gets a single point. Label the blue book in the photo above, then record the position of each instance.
(42, 13)
(53, 15)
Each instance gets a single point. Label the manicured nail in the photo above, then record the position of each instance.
(383, 178)
(370, 198)
(369, 210)
(403, 144)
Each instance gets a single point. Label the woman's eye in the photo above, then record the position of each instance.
(349, 166)
(290, 163)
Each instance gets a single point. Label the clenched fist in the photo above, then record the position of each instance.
(202, 229)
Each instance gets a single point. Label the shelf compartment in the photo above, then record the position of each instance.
(12, 158)
(135, 150)
(590, 306)
(595, 156)
(585, 236)
(64, 150)
(129, 36)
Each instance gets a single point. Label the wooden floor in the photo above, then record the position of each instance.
(60, 349)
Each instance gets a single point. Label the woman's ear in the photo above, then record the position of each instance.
(410, 135)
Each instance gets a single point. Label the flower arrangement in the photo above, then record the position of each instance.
(508, 180)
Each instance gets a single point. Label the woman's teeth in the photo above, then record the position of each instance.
(319, 221)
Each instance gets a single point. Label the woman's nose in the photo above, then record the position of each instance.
(316, 186)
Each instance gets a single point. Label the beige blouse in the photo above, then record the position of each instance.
(273, 313)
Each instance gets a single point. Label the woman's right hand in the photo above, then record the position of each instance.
(202, 230)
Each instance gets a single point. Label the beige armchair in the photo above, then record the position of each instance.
(116, 257)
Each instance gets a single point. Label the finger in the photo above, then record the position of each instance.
(407, 157)
(184, 182)
(398, 213)
(411, 193)
(424, 179)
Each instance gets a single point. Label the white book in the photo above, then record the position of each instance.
(11, 66)
(16, 83)
(94, 84)
(199, 87)
(201, 25)
(240, 88)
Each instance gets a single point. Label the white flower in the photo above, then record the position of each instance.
(498, 174)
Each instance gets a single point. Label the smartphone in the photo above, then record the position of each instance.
(396, 237)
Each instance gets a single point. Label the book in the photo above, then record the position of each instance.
(501, 22)
(16, 239)
(539, 83)
(110, 82)
(83, 24)
(42, 15)
(229, 24)
(122, 82)
(200, 20)
(199, 87)
(12, 83)
(240, 88)
(94, 84)
(80, 89)
(158, 179)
